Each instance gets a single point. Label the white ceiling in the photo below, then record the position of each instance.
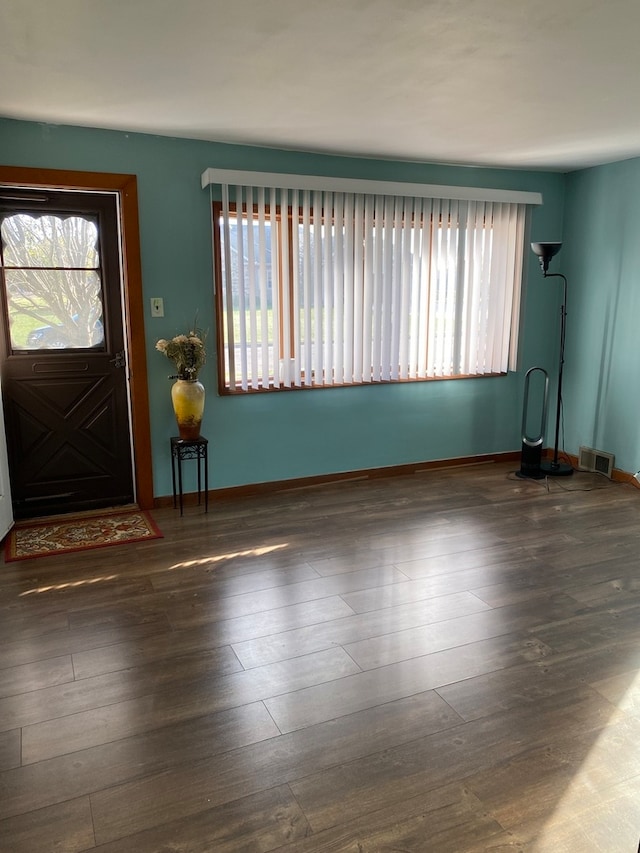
(553, 84)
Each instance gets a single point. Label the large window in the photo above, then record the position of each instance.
(323, 288)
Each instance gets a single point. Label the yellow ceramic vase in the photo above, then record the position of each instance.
(187, 396)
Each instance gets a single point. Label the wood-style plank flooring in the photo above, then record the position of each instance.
(444, 662)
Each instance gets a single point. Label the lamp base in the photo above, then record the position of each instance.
(555, 469)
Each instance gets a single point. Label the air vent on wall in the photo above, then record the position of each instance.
(596, 460)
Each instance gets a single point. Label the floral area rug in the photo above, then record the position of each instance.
(64, 533)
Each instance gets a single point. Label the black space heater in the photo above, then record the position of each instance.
(532, 444)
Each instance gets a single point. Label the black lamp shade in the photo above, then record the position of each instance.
(545, 251)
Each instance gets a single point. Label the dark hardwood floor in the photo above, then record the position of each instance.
(444, 662)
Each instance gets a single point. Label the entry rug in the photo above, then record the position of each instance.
(63, 534)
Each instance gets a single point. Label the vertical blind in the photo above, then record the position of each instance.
(321, 288)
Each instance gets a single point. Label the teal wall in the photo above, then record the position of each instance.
(601, 258)
(267, 437)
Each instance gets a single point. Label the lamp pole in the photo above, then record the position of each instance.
(545, 252)
(556, 467)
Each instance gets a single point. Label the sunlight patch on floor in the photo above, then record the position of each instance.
(68, 585)
(601, 804)
(218, 558)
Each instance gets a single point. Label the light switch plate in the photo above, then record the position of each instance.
(157, 306)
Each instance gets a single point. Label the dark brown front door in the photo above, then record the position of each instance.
(64, 380)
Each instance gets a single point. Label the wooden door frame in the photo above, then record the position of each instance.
(127, 188)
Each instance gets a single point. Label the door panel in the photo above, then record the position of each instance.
(64, 371)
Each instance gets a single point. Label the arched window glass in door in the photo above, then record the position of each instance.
(52, 278)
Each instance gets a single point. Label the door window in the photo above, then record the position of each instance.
(53, 284)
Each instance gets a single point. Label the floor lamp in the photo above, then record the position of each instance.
(546, 251)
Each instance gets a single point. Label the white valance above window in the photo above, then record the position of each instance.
(234, 177)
